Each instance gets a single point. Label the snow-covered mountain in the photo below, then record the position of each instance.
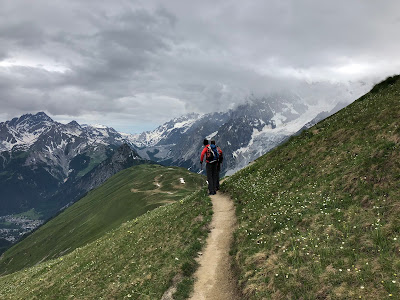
(54, 144)
(39, 131)
(46, 165)
(166, 133)
(250, 129)
(244, 133)
(39, 155)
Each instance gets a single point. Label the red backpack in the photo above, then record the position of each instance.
(210, 157)
(220, 155)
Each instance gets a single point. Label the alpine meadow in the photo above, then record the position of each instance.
(319, 216)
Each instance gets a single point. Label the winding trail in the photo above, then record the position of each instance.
(214, 277)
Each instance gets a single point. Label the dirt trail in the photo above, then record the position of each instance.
(214, 279)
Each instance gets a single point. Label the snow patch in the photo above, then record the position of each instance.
(209, 137)
(98, 126)
(290, 108)
(279, 119)
(263, 140)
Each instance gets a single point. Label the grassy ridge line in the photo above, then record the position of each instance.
(124, 196)
(138, 260)
(319, 216)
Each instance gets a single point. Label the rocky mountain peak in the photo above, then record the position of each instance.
(42, 116)
(73, 124)
(30, 120)
(124, 153)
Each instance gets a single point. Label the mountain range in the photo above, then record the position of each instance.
(46, 165)
(244, 133)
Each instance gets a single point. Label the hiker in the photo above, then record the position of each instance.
(211, 156)
(219, 163)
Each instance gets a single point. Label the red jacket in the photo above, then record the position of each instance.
(203, 153)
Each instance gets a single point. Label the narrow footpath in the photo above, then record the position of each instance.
(214, 278)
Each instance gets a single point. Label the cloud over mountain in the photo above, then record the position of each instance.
(136, 64)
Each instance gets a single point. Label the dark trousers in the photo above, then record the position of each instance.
(211, 169)
(217, 179)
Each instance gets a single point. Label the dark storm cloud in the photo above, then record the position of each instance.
(148, 61)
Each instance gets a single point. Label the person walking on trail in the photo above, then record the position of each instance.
(219, 163)
(210, 154)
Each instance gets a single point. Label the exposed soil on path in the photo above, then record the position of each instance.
(214, 278)
(157, 189)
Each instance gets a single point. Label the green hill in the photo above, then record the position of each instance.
(125, 196)
(140, 259)
(319, 217)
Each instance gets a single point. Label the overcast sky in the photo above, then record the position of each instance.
(133, 65)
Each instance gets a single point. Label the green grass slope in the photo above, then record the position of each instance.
(125, 196)
(139, 260)
(319, 217)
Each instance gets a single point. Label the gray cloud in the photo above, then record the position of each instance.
(135, 64)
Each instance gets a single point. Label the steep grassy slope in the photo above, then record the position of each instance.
(319, 217)
(126, 195)
(138, 260)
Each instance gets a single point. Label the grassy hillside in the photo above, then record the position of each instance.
(319, 217)
(123, 197)
(139, 260)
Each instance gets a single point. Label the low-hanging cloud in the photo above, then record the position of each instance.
(135, 64)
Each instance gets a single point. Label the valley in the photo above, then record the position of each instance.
(13, 227)
(123, 197)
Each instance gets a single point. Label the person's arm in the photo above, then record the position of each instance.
(202, 154)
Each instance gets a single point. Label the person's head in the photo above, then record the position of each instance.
(205, 142)
(213, 142)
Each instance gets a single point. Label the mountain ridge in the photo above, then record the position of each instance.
(33, 213)
(124, 196)
(179, 141)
